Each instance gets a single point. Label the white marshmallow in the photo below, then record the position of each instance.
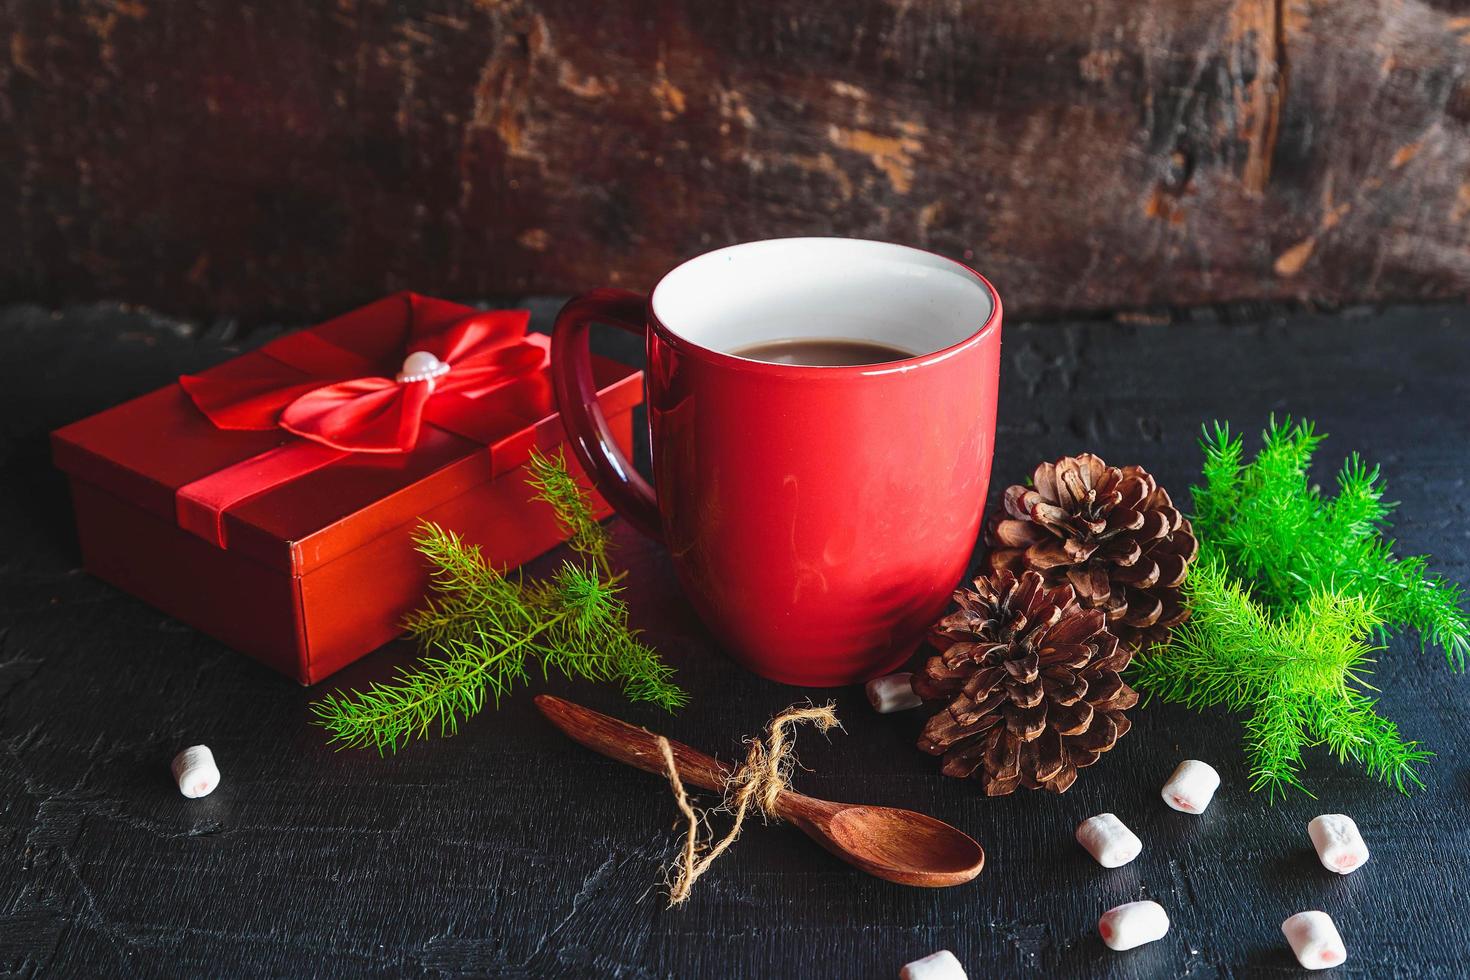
(893, 693)
(1108, 840)
(936, 966)
(1339, 846)
(1133, 925)
(1314, 940)
(1192, 786)
(195, 771)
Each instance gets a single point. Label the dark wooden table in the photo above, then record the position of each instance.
(509, 851)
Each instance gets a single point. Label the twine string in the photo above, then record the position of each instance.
(765, 773)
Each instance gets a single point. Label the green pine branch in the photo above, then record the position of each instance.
(1301, 674)
(555, 485)
(1287, 541)
(1289, 586)
(481, 629)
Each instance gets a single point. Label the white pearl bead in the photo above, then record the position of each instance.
(421, 366)
(195, 772)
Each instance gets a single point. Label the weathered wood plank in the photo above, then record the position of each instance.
(246, 158)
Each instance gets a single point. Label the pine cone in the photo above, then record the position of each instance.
(1112, 534)
(1031, 684)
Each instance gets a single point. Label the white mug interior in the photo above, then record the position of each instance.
(822, 289)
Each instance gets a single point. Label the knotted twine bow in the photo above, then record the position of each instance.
(760, 780)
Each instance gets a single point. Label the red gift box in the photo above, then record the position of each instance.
(299, 553)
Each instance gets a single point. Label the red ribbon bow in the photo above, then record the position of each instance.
(328, 386)
(469, 359)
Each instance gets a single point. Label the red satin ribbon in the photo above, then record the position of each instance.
(314, 389)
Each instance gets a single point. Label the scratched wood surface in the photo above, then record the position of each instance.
(509, 851)
(270, 157)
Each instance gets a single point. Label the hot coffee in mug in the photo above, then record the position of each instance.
(822, 352)
(822, 417)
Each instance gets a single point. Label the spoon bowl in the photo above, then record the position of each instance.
(904, 846)
(896, 845)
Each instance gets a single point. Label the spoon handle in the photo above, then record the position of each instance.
(631, 745)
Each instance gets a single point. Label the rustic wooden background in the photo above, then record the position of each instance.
(259, 157)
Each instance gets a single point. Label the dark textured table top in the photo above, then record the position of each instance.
(510, 851)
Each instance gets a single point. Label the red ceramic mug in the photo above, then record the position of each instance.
(818, 517)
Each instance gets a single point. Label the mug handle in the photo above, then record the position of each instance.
(576, 397)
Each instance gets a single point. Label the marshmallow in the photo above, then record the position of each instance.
(1107, 840)
(195, 771)
(936, 966)
(893, 693)
(1192, 786)
(1339, 846)
(1314, 940)
(1133, 925)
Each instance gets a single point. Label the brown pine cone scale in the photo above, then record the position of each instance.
(1030, 682)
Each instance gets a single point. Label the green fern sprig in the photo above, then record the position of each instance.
(1287, 541)
(1289, 586)
(1302, 676)
(555, 485)
(480, 629)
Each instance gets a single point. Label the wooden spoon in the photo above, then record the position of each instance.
(896, 845)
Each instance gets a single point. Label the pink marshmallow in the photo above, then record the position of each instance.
(1315, 940)
(1339, 846)
(1192, 786)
